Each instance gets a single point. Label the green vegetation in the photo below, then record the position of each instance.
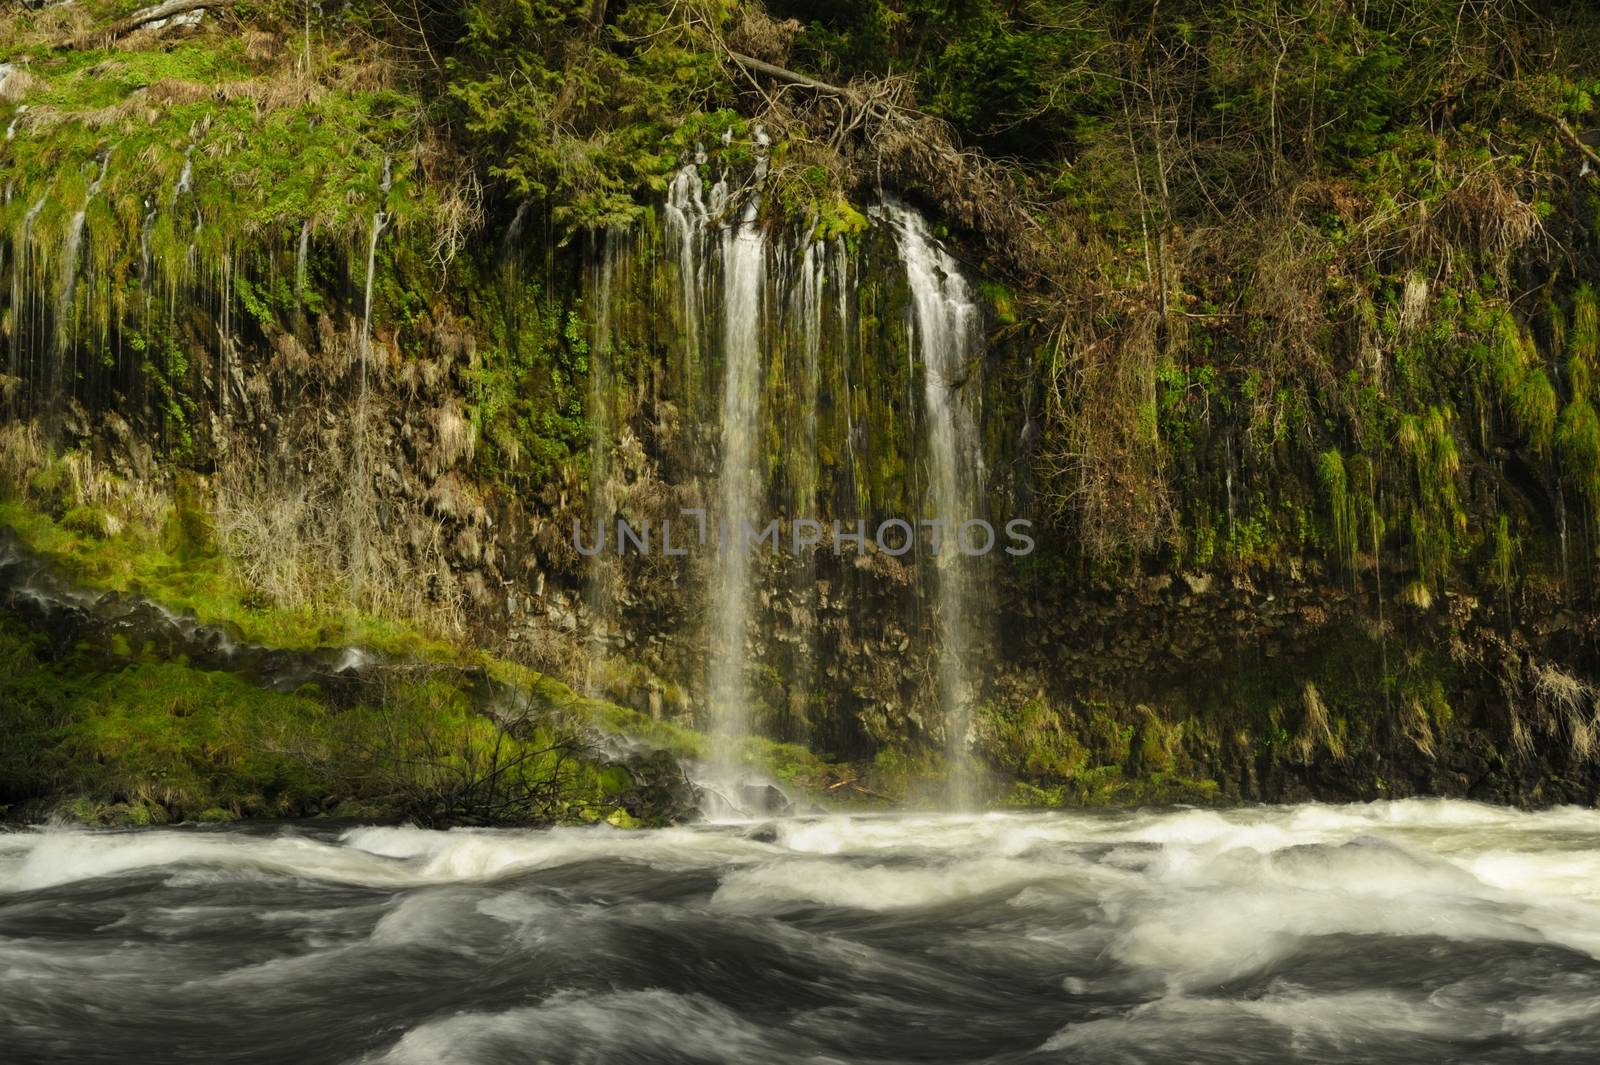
(119, 735)
(1268, 287)
(181, 566)
(130, 739)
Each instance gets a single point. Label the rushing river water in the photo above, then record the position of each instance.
(1414, 931)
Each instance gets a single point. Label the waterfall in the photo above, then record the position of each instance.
(807, 309)
(57, 374)
(302, 254)
(11, 130)
(806, 312)
(686, 223)
(185, 177)
(739, 483)
(844, 401)
(945, 330)
(360, 504)
(380, 218)
(27, 311)
(69, 255)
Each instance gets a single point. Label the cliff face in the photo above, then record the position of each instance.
(1362, 571)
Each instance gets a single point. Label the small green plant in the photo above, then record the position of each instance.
(1333, 477)
(1533, 409)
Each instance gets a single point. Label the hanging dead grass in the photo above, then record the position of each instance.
(1100, 452)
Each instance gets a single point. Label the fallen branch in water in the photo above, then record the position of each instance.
(855, 785)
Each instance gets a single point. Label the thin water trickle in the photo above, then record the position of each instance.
(11, 130)
(27, 309)
(807, 311)
(359, 505)
(945, 328)
(302, 255)
(185, 177)
(687, 222)
(604, 566)
(71, 249)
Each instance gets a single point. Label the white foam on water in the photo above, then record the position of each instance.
(781, 885)
(596, 1029)
(56, 856)
(1185, 930)
(479, 854)
(1319, 1027)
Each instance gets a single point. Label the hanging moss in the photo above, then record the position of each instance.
(1579, 378)
(1578, 444)
(1584, 339)
(1504, 553)
(1505, 358)
(1435, 520)
(1335, 484)
(1534, 408)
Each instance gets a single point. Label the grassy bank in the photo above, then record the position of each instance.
(111, 732)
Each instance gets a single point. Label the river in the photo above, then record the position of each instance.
(1415, 931)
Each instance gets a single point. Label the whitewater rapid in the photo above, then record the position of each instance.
(1392, 932)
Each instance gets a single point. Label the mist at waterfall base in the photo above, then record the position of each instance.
(1395, 932)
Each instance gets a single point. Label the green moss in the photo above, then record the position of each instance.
(1578, 443)
(1533, 408)
(1584, 339)
(182, 568)
(1156, 745)
(90, 521)
(838, 218)
(1504, 553)
(1436, 521)
(1033, 742)
(1341, 505)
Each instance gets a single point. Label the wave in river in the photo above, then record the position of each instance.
(1406, 931)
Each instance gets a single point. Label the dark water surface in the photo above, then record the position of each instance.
(1397, 932)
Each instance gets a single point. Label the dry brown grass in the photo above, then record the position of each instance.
(288, 529)
(121, 502)
(1099, 447)
(17, 84)
(454, 440)
(1414, 725)
(1568, 701)
(1316, 730)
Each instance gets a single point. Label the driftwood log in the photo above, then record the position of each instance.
(123, 27)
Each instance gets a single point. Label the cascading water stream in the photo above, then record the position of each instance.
(302, 255)
(26, 309)
(687, 221)
(806, 328)
(11, 130)
(185, 177)
(945, 329)
(739, 483)
(71, 248)
(55, 372)
(360, 481)
(604, 566)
